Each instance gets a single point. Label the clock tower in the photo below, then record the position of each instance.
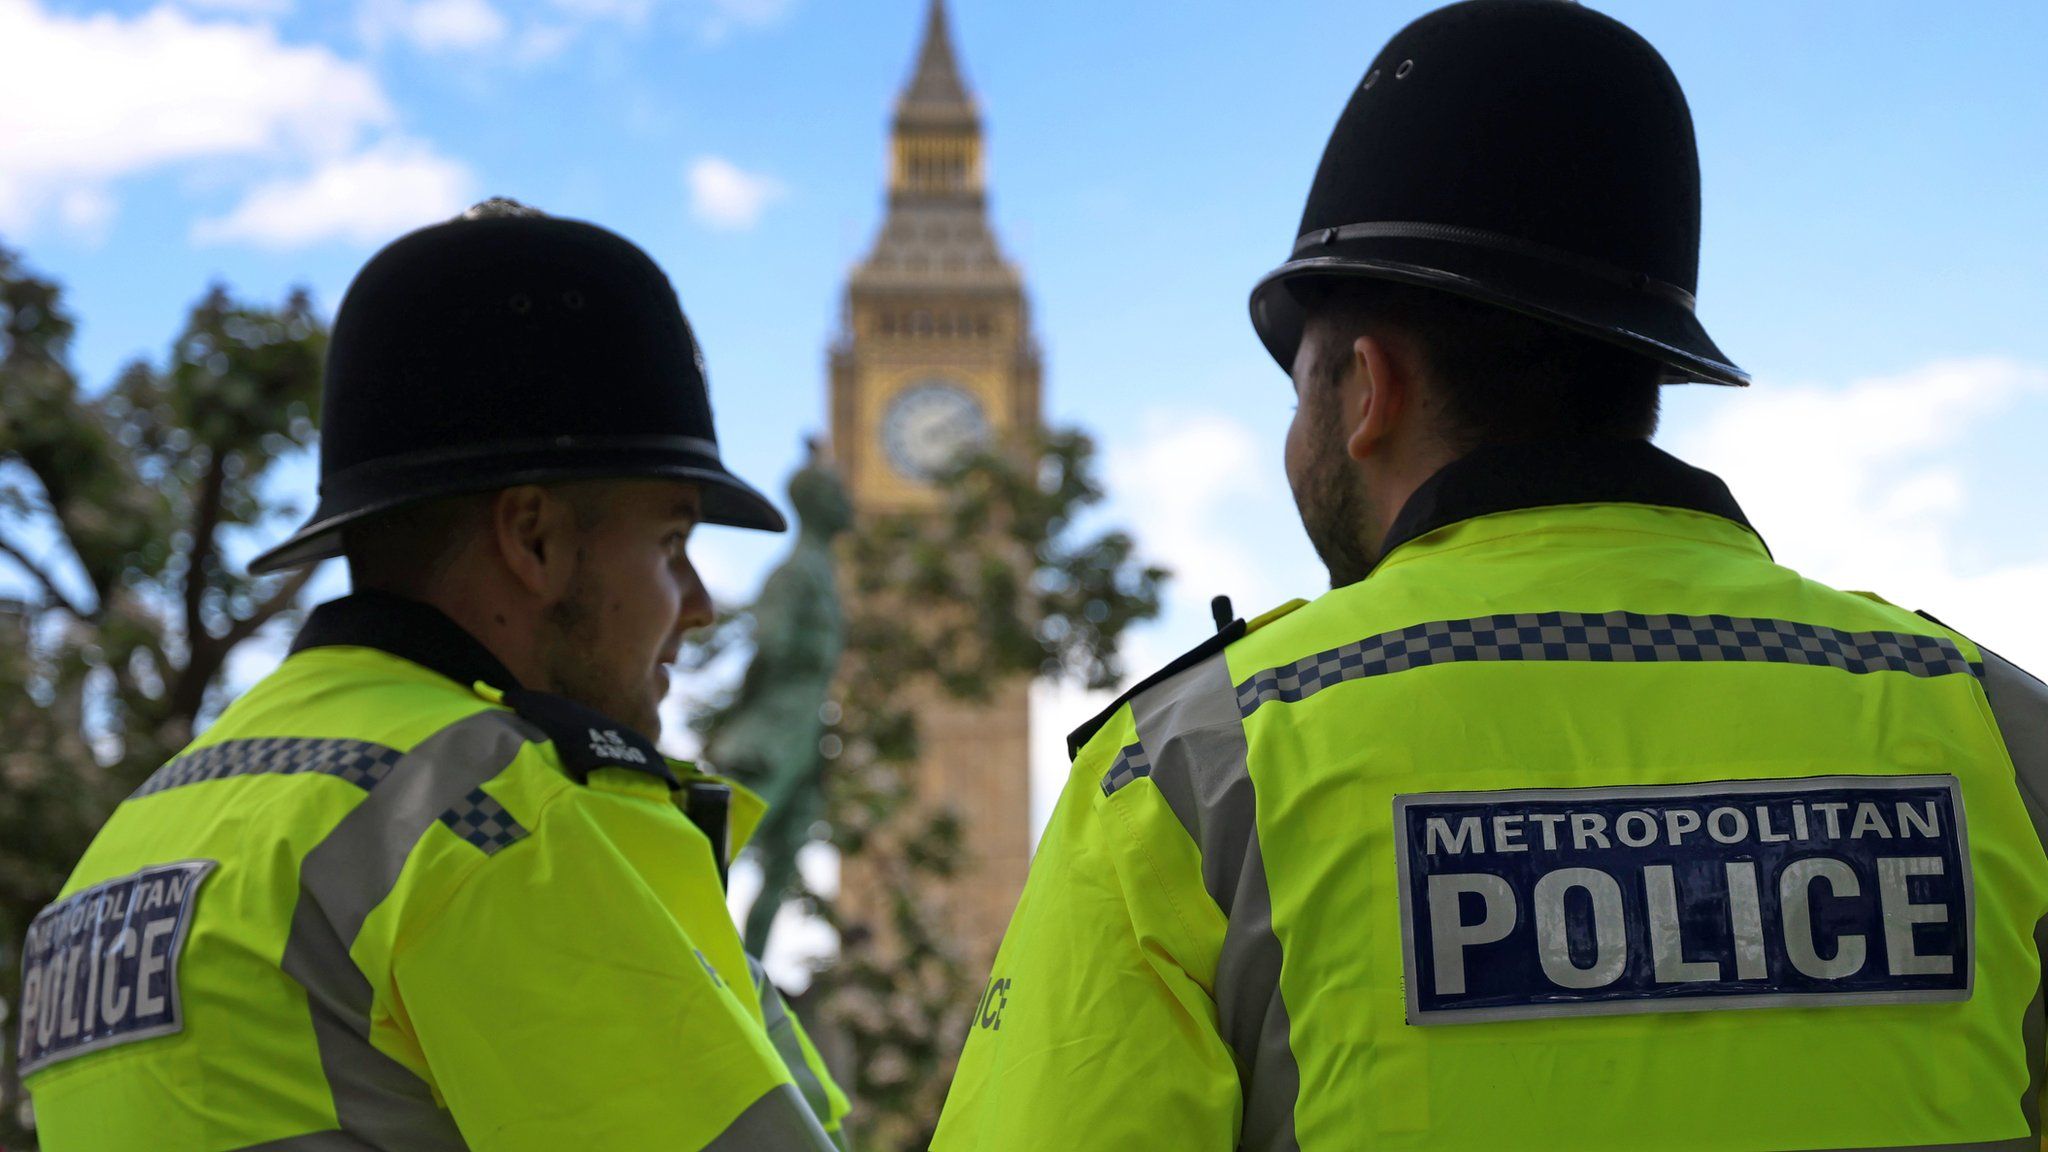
(935, 356)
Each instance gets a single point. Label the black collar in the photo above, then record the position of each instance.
(408, 630)
(1510, 477)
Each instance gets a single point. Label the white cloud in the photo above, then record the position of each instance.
(542, 42)
(726, 16)
(1863, 487)
(757, 12)
(1203, 493)
(629, 11)
(798, 944)
(727, 197)
(714, 20)
(432, 25)
(716, 13)
(1056, 710)
(271, 8)
(88, 100)
(86, 211)
(366, 198)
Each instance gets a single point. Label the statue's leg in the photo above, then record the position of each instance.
(793, 806)
(778, 868)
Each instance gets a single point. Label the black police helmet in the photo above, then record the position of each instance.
(509, 349)
(1531, 154)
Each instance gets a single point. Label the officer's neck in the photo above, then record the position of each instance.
(514, 644)
(1391, 476)
(506, 620)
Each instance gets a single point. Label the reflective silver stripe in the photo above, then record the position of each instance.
(2020, 704)
(329, 1141)
(1611, 637)
(2034, 1034)
(779, 1121)
(1192, 732)
(782, 1031)
(351, 872)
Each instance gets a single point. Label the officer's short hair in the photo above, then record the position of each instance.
(404, 551)
(1499, 376)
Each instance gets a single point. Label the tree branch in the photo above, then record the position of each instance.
(187, 690)
(278, 601)
(205, 524)
(42, 577)
(203, 654)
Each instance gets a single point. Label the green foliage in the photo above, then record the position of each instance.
(1000, 583)
(1003, 580)
(115, 659)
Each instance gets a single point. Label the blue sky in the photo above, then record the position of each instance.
(1876, 181)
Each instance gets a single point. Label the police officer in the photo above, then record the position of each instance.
(1566, 819)
(429, 885)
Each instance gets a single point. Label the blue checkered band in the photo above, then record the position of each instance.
(481, 820)
(359, 762)
(1617, 637)
(1130, 764)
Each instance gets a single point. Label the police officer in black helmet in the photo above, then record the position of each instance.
(510, 350)
(430, 884)
(1566, 819)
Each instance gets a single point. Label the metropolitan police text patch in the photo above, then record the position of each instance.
(1744, 894)
(101, 968)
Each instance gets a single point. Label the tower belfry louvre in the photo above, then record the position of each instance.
(935, 356)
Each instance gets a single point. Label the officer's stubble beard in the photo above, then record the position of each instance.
(574, 656)
(1329, 493)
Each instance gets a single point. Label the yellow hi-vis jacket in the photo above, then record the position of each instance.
(382, 905)
(1578, 824)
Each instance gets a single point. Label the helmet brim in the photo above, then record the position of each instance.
(728, 501)
(1654, 325)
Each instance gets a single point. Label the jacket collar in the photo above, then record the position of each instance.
(408, 630)
(1513, 477)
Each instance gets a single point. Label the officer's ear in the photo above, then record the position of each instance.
(1379, 391)
(537, 535)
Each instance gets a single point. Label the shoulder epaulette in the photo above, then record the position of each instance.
(1924, 614)
(1226, 636)
(587, 739)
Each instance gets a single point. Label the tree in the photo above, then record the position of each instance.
(999, 583)
(115, 656)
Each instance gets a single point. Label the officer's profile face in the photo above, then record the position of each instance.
(629, 598)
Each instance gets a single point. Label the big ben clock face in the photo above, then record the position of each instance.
(928, 427)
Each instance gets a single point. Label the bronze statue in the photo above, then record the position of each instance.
(769, 737)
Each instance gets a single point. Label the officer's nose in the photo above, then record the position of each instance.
(696, 610)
